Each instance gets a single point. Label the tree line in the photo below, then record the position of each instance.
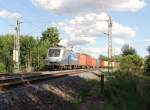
(32, 50)
(130, 61)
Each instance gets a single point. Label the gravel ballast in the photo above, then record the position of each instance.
(56, 94)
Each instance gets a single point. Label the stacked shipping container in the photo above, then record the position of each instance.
(82, 59)
(104, 64)
(93, 62)
(86, 60)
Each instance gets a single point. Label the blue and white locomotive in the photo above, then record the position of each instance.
(61, 58)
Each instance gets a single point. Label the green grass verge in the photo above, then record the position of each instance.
(122, 91)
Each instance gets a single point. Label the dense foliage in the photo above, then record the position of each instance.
(103, 57)
(131, 63)
(147, 63)
(32, 51)
(122, 91)
(6, 51)
(126, 92)
(51, 35)
(128, 50)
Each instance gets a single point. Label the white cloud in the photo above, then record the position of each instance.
(64, 42)
(147, 40)
(119, 41)
(130, 5)
(77, 41)
(7, 14)
(77, 6)
(115, 50)
(93, 51)
(85, 29)
(121, 31)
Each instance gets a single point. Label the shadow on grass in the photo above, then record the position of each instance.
(126, 92)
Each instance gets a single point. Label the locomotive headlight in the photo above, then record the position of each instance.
(58, 59)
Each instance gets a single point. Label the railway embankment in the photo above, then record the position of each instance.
(57, 94)
(121, 91)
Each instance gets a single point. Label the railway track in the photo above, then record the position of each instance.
(11, 81)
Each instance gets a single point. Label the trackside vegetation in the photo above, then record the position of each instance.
(147, 62)
(32, 50)
(123, 91)
(128, 88)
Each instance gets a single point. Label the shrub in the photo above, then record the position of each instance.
(131, 64)
(2, 67)
(126, 92)
(147, 65)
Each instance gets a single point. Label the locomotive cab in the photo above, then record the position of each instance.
(54, 56)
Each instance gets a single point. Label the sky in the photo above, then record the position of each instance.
(82, 23)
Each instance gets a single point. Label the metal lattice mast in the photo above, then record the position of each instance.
(110, 45)
(16, 51)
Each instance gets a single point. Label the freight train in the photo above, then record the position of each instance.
(104, 64)
(63, 58)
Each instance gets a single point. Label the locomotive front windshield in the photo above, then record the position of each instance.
(54, 52)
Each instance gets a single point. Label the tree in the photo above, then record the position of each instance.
(147, 65)
(28, 43)
(51, 35)
(2, 67)
(128, 50)
(102, 57)
(6, 51)
(131, 64)
(116, 58)
(148, 49)
(147, 62)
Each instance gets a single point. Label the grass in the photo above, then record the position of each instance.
(127, 92)
(123, 91)
(84, 93)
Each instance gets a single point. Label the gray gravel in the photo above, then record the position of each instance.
(47, 95)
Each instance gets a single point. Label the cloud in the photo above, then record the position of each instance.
(64, 42)
(77, 6)
(85, 29)
(131, 5)
(93, 51)
(115, 50)
(121, 31)
(147, 40)
(119, 41)
(7, 14)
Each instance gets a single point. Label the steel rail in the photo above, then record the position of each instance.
(8, 83)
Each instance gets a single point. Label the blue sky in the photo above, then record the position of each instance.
(76, 19)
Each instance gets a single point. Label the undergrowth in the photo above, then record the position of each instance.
(123, 91)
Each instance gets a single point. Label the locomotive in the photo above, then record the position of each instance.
(63, 58)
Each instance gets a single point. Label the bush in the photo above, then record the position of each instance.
(147, 65)
(131, 64)
(2, 67)
(126, 92)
